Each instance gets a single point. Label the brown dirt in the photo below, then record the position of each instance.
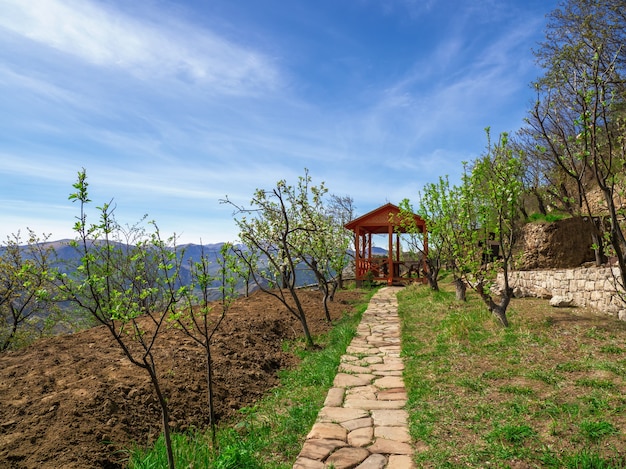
(74, 401)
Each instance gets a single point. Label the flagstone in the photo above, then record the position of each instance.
(400, 434)
(344, 380)
(384, 446)
(334, 398)
(397, 366)
(347, 458)
(369, 404)
(320, 449)
(328, 431)
(400, 461)
(350, 368)
(374, 461)
(392, 394)
(361, 436)
(306, 463)
(390, 418)
(340, 415)
(387, 373)
(362, 392)
(388, 382)
(351, 425)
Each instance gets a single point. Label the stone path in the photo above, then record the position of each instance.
(363, 424)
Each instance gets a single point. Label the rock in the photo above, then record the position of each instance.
(375, 461)
(361, 436)
(346, 458)
(561, 302)
(328, 431)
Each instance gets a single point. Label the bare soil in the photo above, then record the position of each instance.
(75, 401)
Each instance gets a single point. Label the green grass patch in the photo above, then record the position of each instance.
(596, 430)
(548, 218)
(541, 393)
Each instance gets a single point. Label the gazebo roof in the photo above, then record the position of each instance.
(378, 221)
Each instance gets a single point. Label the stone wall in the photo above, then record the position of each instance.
(592, 286)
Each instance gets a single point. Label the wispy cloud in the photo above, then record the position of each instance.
(105, 37)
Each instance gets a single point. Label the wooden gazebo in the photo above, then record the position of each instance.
(390, 267)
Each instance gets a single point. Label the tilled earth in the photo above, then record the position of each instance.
(74, 401)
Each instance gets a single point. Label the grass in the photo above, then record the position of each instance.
(550, 217)
(270, 434)
(549, 391)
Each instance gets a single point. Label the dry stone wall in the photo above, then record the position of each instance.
(594, 287)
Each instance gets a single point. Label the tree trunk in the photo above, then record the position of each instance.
(302, 317)
(597, 242)
(460, 289)
(540, 203)
(324, 288)
(338, 283)
(164, 414)
(209, 367)
(333, 290)
(498, 310)
(433, 283)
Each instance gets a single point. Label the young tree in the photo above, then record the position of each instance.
(27, 307)
(322, 241)
(439, 207)
(127, 281)
(341, 209)
(268, 229)
(489, 218)
(195, 316)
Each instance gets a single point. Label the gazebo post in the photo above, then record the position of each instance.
(390, 265)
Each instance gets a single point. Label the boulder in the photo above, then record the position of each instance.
(561, 301)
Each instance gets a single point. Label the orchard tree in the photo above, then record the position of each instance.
(341, 209)
(439, 207)
(268, 229)
(489, 219)
(127, 281)
(195, 314)
(27, 306)
(322, 241)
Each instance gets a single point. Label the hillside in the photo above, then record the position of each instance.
(74, 401)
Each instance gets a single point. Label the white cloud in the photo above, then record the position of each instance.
(106, 37)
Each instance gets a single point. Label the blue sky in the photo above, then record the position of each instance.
(172, 105)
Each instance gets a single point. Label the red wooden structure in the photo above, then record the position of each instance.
(384, 220)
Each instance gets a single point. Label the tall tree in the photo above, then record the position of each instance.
(580, 112)
(341, 210)
(439, 207)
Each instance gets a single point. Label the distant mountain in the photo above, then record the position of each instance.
(68, 259)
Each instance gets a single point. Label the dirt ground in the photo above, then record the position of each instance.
(74, 401)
